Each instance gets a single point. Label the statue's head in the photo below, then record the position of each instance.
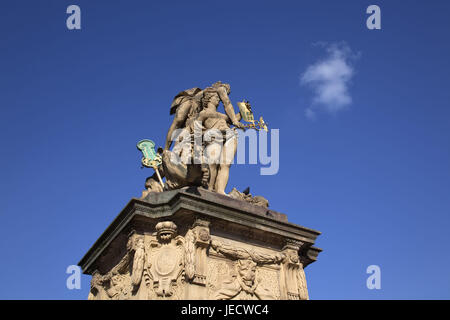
(210, 96)
(140, 243)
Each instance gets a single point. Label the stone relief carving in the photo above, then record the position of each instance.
(153, 270)
(271, 280)
(119, 287)
(97, 291)
(115, 285)
(190, 254)
(167, 265)
(112, 286)
(243, 286)
(301, 280)
(202, 243)
(136, 246)
(163, 264)
(244, 254)
(243, 283)
(293, 277)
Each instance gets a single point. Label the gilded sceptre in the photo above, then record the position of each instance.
(247, 115)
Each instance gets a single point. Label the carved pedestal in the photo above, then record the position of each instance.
(195, 244)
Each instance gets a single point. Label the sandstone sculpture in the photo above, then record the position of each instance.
(205, 141)
(185, 238)
(165, 265)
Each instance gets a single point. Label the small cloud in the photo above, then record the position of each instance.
(329, 79)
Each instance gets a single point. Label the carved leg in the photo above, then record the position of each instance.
(212, 176)
(212, 158)
(226, 157)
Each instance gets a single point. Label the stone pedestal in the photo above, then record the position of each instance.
(195, 244)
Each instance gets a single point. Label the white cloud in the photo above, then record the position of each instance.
(329, 79)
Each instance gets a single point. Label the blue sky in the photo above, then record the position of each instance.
(373, 176)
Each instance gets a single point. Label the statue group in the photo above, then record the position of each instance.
(186, 238)
(201, 143)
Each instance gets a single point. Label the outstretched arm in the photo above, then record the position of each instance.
(229, 110)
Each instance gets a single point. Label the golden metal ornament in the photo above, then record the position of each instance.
(246, 112)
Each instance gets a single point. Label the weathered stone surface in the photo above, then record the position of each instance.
(196, 244)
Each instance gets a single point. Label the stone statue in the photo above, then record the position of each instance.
(186, 238)
(197, 116)
(186, 105)
(203, 141)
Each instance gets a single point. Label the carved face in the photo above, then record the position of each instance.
(247, 270)
(203, 235)
(140, 243)
(294, 257)
(214, 99)
(210, 98)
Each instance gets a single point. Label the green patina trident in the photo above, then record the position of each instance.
(150, 159)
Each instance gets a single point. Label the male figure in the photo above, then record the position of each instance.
(186, 106)
(196, 110)
(220, 141)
